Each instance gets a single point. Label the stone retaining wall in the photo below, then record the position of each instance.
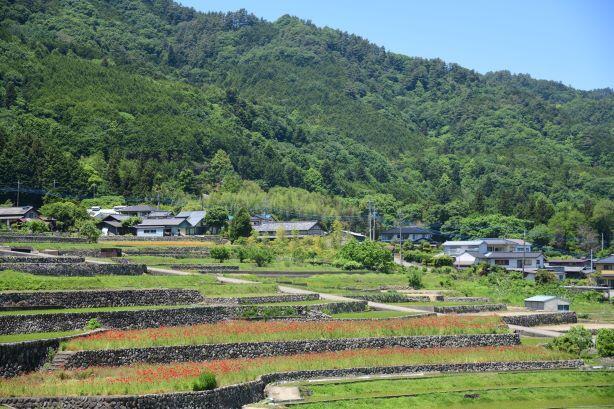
(39, 238)
(461, 309)
(533, 320)
(20, 357)
(100, 298)
(76, 269)
(152, 318)
(467, 299)
(40, 260)
(417, 298)
(206, 268)
(174, 252)
(263, 299)
(186, 353)
(214, 238)
(235, 396)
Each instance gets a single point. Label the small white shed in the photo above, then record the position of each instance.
(546, 303)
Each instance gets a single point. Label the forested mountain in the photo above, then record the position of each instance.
(140, 97)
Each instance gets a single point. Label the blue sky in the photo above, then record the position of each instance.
(570, 41)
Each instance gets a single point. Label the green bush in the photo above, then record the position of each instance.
(545, 277)
(241, 252)
(352, 265)
(442, 261)
(370, 254)
(605, 342)
(93, 324)
(205, 382)
(35, 226)
(576, 341)
(261, 255)
(415, 280)
(89, 230)
(220, 253)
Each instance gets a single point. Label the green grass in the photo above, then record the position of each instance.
(371, 314)
(340, 282)
(543, 389)
(37, 335)
(257, 331)
(533, 340)
(437, 303)
(206, 284)
(151, 378)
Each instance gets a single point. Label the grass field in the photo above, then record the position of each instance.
(206, 284)
(254, 331)
(148, 378)
(542, 389)
(37, 335)
(340, 282)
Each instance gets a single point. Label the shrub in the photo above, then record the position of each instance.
(605, 342)
(220, 253)
(241, 252)
(545, 277)
(370, 254)
(443, 261)
(261, 256)
(576, 341)
(93, 324)
(88, 229)
(352, 265)
(415, 280)
(35, 226)
(205, 382)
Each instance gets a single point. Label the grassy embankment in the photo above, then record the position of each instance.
(38, 335)
(543, 389)
(148, 378)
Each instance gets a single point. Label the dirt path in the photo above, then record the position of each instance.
(230, 280)
(339, 298)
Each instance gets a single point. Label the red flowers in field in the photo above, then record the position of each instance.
(248, 331)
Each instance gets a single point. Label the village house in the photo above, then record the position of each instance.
(12, 215)
(605, 271)
(196, 222)
(169, 226)
(112, 224)
(571, 267)
(511, 254)
(405, 233)
(290, 229)
(258, 219)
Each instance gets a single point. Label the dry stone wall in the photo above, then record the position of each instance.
(532, 320)
(263, 299)
(261, 349)
(461, 309)
(99, 298)
(152, 318)
(40, 260)
(39, 238)
(76, 269)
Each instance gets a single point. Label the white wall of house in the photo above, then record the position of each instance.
(465, 259)
(516, 262)
(150, 232)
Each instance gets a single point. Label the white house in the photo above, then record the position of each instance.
(405, 233)
(171, 226)
(291, 229)
(482, 246)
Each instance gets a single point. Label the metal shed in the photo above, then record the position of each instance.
(546, 303)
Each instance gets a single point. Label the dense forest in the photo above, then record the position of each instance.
(151, 99)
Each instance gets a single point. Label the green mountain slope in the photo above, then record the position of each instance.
(135, 97)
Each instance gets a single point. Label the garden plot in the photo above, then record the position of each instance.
(147, 378)
(544, 389)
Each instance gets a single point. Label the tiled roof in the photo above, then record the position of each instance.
(511, 254)
(407, 230)
(606, 260)
(139, 208)
(193, 217)
(170, 221)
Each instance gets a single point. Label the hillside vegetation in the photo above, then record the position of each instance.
(148, 99)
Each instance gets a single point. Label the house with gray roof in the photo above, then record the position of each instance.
(290, 229)
(405, 233)
(196, 221)
(170, 226)
(138, 210)
(546, 303)
(10, 215)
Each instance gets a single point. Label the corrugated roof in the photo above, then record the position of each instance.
(15, 211)
(287, 226)
(541, 298)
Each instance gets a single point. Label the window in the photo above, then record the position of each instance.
(146, 231)
(502, 262)
(563, 307)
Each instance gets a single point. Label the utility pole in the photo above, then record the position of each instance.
(18, 188)
(524, 248)
(601, 241)
(369, 220)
